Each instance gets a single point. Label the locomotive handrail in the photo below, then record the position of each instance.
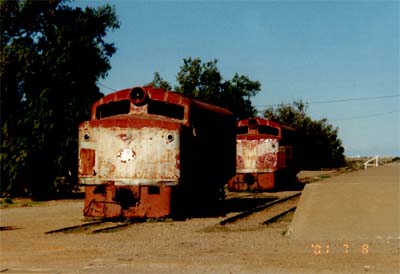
(367, 163)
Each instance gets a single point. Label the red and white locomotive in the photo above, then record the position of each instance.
(264, 159)
(147, 152)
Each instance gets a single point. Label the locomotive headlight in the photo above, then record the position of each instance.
(170, 137)
(85, 135)
(252, 123)
(138, 96)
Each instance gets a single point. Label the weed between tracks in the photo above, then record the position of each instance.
(18, 202)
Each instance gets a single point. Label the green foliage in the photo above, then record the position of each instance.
(9, 203)
(317, 143)
(159, 82)
(204, 81)
(7, 200)
(51, 57)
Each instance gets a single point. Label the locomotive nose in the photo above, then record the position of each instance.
(138, 96)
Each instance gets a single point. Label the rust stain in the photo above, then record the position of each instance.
(113, 201)
(257, 154)
(87, 161)
(151, 154)
(143, 143)
(264, 155)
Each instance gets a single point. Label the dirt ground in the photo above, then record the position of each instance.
(190, 246)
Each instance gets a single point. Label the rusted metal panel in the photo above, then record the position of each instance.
(281, 158)
(259, 155)
(154, 203)
(99, 202)
(143, 144)
(252, 182)
(86, 162)
(112, 201)
(131, 156)
(264, 155)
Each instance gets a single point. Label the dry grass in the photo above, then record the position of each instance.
(17, 202)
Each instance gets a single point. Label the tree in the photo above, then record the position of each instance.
(51, 58)
(317, 143)
(159, 82)
(204, 81)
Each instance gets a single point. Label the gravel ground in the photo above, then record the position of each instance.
(191, 246)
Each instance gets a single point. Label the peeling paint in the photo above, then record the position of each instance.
(263, 149)
(256, 155)
(128, 156)
(143, 144)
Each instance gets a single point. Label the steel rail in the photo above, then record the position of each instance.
(273, 218)
(68, 228)
(256, 209)
(110, 228)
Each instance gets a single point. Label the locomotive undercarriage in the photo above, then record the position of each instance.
(252, 182)
(269, 181)
(111, 201)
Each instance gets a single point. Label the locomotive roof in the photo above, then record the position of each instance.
(160, 95)
(264, 122)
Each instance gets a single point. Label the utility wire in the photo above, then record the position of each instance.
(104, 86)
(355, 99)
(364, 116)
(339, 100)
(330, 101)
(312, 102)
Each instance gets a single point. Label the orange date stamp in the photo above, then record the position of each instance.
(345, 248)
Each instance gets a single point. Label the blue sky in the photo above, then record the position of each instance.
(317, 51)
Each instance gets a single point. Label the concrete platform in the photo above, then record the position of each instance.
(354, 206)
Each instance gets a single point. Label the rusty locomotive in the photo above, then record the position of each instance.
(146, 152)
(264, 159)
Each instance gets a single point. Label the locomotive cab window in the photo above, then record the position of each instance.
(268, 130)
(166, 109)
(113, 108)
(242, 130)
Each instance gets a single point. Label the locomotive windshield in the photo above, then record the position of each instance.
(268, 130)
(242, 130)
(261, 130)
(153, 107)
(166, 109)
(113, 108)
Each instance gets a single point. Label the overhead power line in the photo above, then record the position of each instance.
(372, 115)
(104, 86)
(354, 99)
(339, 100)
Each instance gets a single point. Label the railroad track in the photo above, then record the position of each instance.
(93, 227)
(262, 214)
(259, 215)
